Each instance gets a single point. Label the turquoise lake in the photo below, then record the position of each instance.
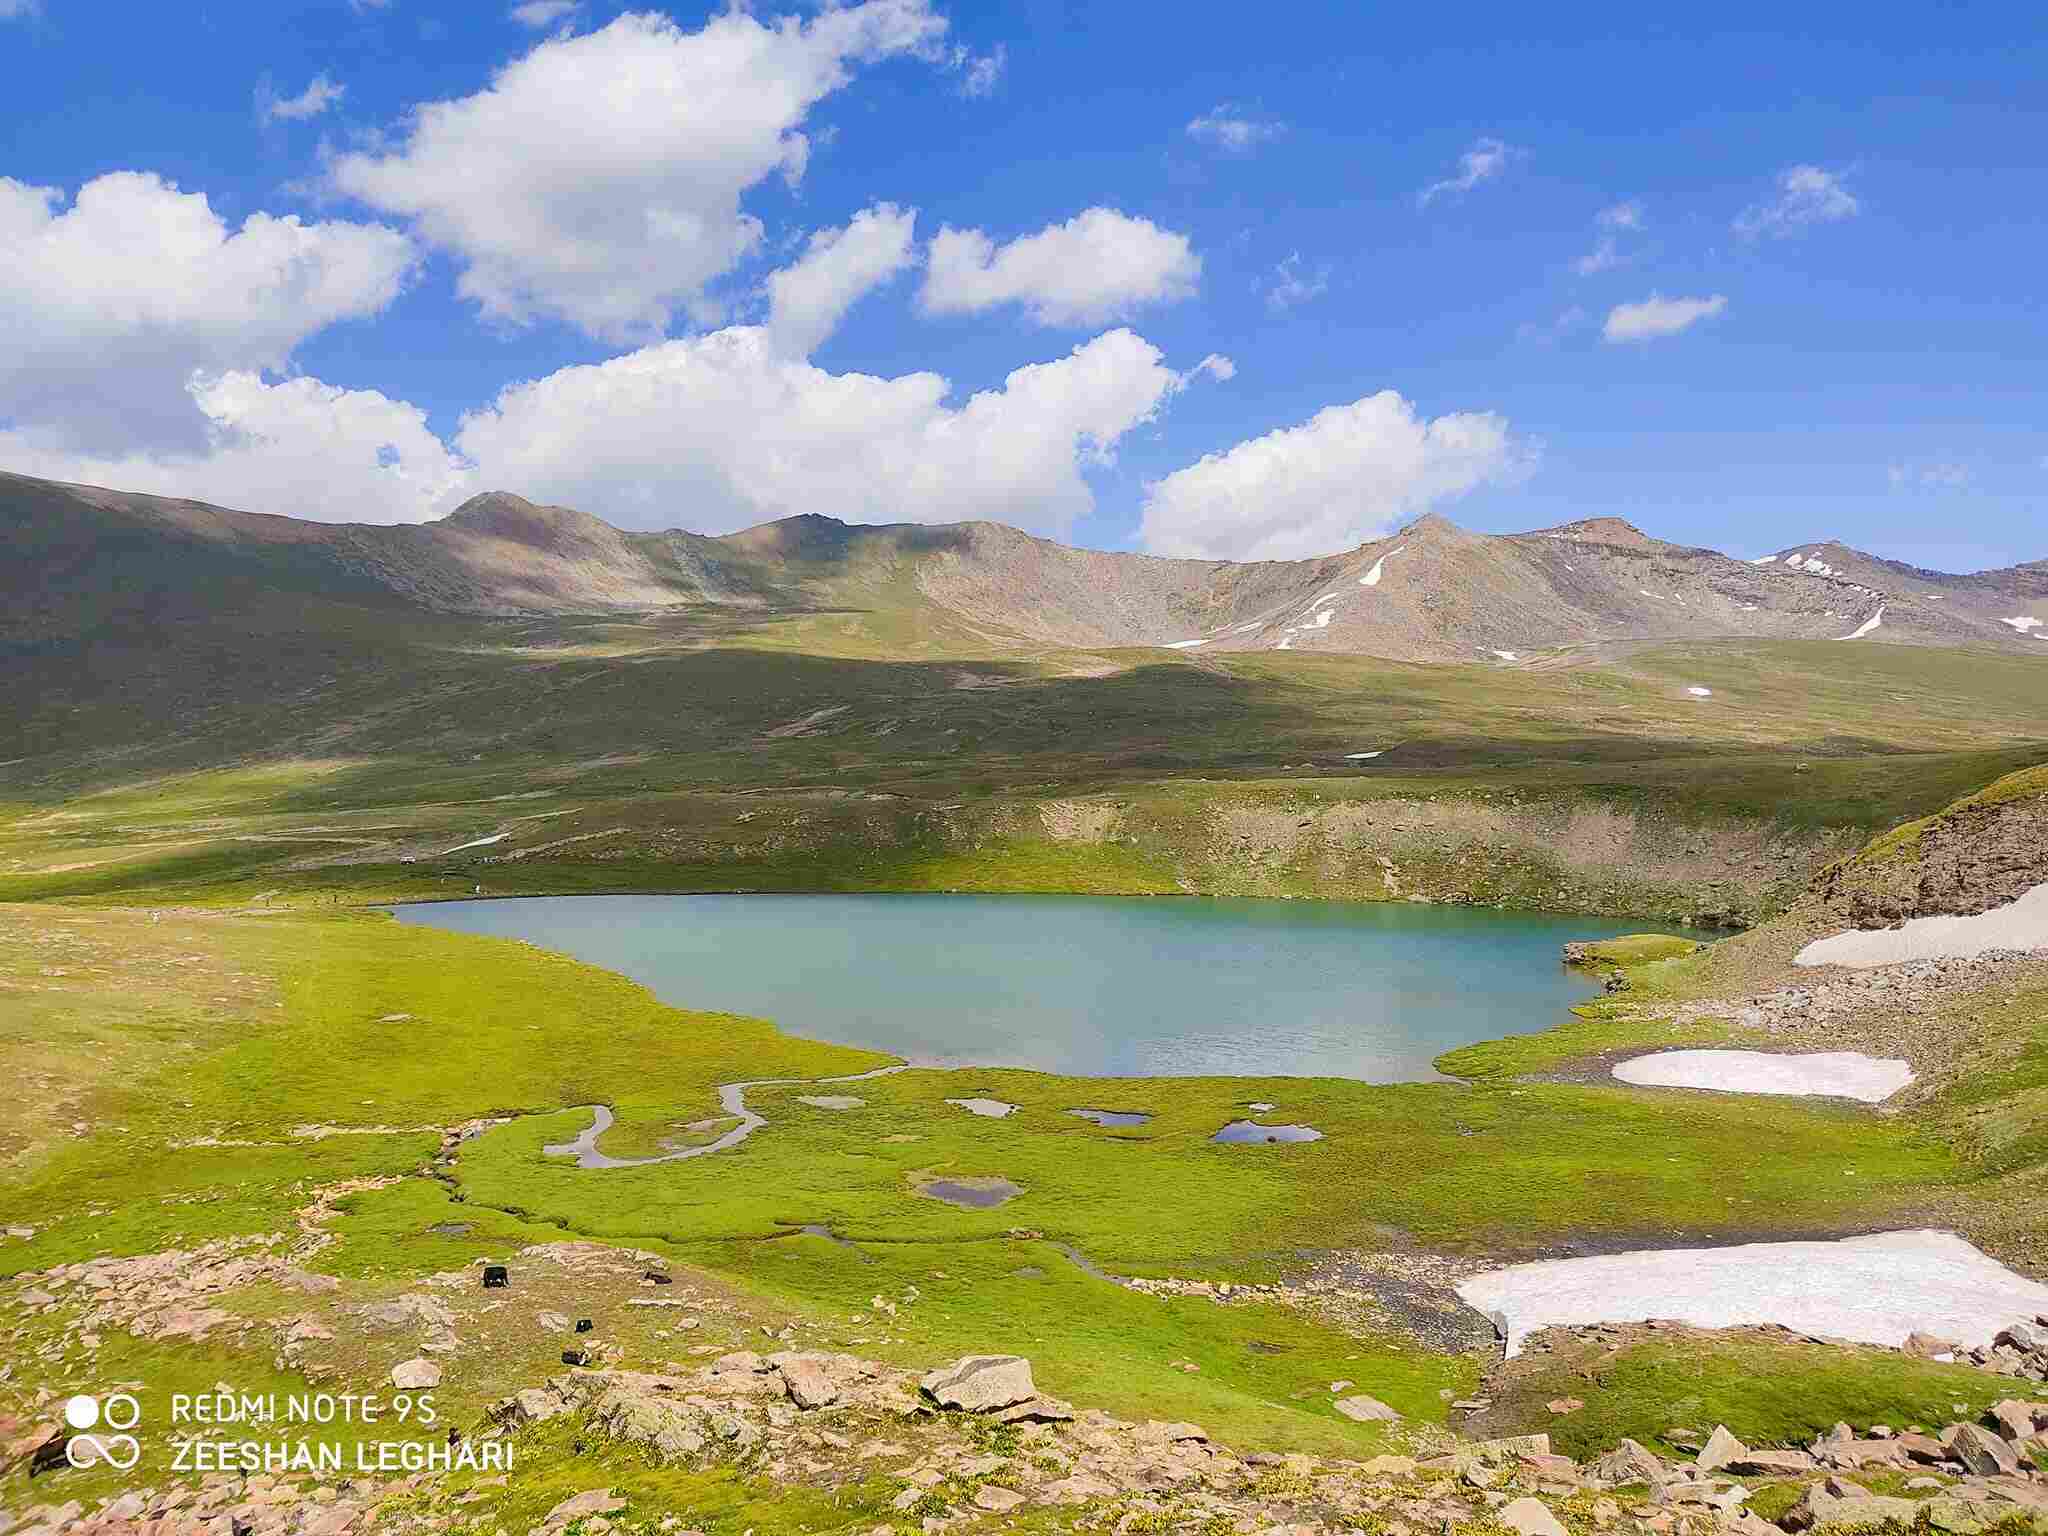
(1084, 985)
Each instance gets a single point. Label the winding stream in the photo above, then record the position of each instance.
(731, 1096)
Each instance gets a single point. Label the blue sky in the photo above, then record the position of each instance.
(1747, 286)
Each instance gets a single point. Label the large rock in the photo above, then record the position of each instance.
(639, 1413)
(1721, 1449)
(1366, 1410)
(1982, 1452)
(1770, 1464)
(1530, 1517)
(2017, 1420)
(1629, 1462)
(415, 1375)
(982, 1383)
(1844, 1504)
(807, 1381)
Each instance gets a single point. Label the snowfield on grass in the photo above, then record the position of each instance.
(1872, 1290)
(1183, 645)
(2019, 924)
(1818, 1074)
(2023, 624)
(1353, 757)
(1867, 626)
(478, 842)
(1701, 693)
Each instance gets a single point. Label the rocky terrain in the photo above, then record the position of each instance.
(1431, 592)
(974, 1445)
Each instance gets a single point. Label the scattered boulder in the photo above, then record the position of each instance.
(1366, 1410)
(981, 1383)
(1982, 1452)
(416, 1375)
(1630, 1462)
(1721, 1449)
(1530, 1517)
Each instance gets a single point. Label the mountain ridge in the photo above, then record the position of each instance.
(1430, 591)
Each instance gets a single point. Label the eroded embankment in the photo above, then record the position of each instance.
(1544, 850)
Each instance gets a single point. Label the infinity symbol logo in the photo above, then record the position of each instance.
(119, 1411)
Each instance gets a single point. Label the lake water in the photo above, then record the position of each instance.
(1083, 985)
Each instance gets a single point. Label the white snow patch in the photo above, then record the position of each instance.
(1506, 655)
(992, 1109)
(2019, 924)
(1183, 645)
(1354, 757)
(1322, 620)
(1867, 625)
(1872, 1290)
(1651, 595)
(1286, 642)
(1701, 693)
(1816, 1075)
(1245, 629)
(2022, 624)
(479, 842)
(1372, 577)
(1765, 560)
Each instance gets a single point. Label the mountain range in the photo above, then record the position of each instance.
(82, 556)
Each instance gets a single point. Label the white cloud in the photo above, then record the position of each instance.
(1332, 482)
(720, 431)
(808, 299)
(1097, 265)
(364, 7)
(1807, 195)
(1658, 316)
(1231, 128)
(1486, 159)
(541, 14)
(1606, 251)
(1292, 286)
(1550, 332)
(320, 94)
(296, 446)
(13, 9)
(111, 304)
(980, 73)
(598, 178)
(713, 433)
(1932, 478)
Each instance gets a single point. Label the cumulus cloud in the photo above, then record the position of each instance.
(1339, 478)
(1293, 284)
(1658, 316)
(294, 446)
(598, 178)
(1486, 159)
(808, 299)
(110, 305)
(320, 94)
(724, 430)
(712, 432)
(1097, 265)
(1807, 195)
(1230, 128)
(541, 14)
